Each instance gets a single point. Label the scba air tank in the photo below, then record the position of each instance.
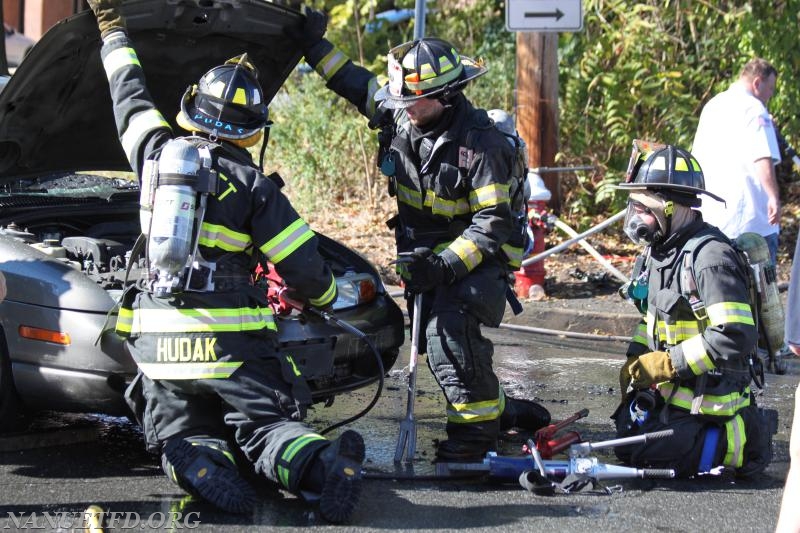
(170, 239)
(770, 309)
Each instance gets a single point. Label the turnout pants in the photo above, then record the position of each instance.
(262, 403)
(459, 357)
(743, 442)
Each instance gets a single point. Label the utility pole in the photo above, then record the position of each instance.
(537, 104)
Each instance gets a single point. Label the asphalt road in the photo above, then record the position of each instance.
(47, 487)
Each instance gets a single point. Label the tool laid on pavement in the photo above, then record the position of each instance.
(548, 445)
(407, 439)
(546, 477)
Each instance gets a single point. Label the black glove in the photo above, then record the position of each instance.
(109, 18)
(427, 270)
(311, 31)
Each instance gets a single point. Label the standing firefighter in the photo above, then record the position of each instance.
(203, 336)
(688, 363)
(450, 169)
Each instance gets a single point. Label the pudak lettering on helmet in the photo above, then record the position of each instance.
(225, 127)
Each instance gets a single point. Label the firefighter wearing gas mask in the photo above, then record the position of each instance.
(687, 367)
(450, 170)
(203, 336)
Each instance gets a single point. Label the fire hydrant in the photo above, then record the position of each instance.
(529, 280)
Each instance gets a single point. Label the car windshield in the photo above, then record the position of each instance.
(84, 185)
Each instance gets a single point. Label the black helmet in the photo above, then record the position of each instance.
(227, 102)
(668, 170)
(424, 68)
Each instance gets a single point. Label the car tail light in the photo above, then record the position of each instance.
(47, 335)
(355, 289)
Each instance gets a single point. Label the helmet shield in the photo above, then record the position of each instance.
(227, 101)
(425, 68)
(667, 169)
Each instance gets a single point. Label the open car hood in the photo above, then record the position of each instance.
(56, 112)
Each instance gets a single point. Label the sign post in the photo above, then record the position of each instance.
(544, 15)
(537, 23)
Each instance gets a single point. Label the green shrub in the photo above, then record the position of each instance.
(639, 69)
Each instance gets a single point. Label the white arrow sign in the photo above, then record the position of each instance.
(544, 15)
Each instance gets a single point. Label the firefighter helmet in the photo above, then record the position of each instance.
(668, 170)
(424, 68)
(227, 102)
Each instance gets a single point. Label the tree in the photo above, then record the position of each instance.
(645, 69)
(639, 69)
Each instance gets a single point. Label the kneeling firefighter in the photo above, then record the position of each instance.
(203, 336)
(688, 364)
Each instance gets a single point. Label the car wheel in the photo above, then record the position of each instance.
(11, 414)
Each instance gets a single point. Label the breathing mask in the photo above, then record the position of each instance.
(647, 219)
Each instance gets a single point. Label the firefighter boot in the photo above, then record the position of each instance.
(523, 414)
(202, 468)
(335, 475)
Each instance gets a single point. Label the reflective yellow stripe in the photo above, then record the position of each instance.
(514, 255)
(430, 196)
(291, 362)
(287, 241)
(218, 236)
(372, 87)
(488, 196)
(327, 296)
(124, 321)
(229, 188)
(446, 208)
(120, 58)
(331, 63)
(409, 196)
(290, 451)
(140, 125)
(434, 81)
(679, 331)
(730, 313)
(696, 357)
(470, 413)
(218, 370)
(640, 336)
(737, 438)
(467, 251)
(194, 320)
(724, 405)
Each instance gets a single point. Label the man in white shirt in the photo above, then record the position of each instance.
(737, 148)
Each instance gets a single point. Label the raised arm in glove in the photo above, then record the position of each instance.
(311, 31)
(109, 18)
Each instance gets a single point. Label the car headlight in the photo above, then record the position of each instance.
(355, 289)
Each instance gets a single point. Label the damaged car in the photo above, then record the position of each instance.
(69, 213)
